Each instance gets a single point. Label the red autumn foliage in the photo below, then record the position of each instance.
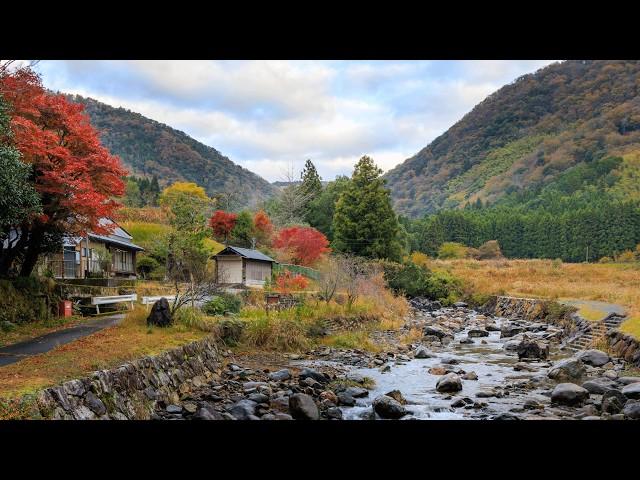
(262, 224)
(222, 224)
(74, 174)
(302, 245)
(286, 282)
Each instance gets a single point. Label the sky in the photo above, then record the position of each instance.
(270, 116)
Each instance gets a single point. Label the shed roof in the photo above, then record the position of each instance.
(246, 253)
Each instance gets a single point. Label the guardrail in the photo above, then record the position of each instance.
(151, 300)
(97, 301)
(306, 271)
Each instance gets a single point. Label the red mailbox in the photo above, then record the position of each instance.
(65, 308)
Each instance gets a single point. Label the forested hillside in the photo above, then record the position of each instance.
(150, 148)
(524, 136)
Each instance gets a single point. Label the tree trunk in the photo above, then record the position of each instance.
(33, 252)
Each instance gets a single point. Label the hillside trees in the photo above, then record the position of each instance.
(323, 207)
(364, 222)
(73, 174)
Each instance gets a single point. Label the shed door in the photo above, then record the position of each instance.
(229, 270)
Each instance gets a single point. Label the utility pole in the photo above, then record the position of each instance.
(587, 255)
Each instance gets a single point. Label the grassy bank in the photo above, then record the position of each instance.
(105, 349)
(611, 283)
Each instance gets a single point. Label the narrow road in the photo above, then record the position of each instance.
(18, 351)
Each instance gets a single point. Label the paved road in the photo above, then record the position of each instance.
(18, 351)
(605, 308)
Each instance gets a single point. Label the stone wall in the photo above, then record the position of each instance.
(624, 346)
(131, 391)
(532, 309)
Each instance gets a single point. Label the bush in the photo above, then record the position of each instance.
(489, 250)
(225, 302)
(413, 281)
(146, 266)
(605, 260)
(451, 250)
(282, 334)
(626, 257)
(444, 287)
(407, 278)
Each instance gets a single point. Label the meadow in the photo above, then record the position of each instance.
(617, 283)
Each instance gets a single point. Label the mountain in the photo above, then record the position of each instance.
(523, 137)
(147, 147)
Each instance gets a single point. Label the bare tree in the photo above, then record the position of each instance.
(351, 271)
(292, 200)
(329, 279)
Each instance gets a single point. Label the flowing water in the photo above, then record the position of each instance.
(493, 365)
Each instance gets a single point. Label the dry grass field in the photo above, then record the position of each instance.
(551, 279)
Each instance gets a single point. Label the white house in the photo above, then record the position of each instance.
(243, 266)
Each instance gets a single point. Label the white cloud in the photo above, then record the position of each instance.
(265, 115)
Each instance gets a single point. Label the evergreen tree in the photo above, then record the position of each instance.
(364, 222)
(323, 207)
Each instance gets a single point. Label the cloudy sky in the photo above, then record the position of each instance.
(271, 115)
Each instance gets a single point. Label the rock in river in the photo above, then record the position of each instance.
(568, 370)
(302, 407)
(530, 348)
(243, 410)
(387, 407)
(632, 410)
(595, 358)
(477, 332)
(632, 391)
(569, 394)
(449, 383)
(422, 352)
(311, 373)
(613, 401)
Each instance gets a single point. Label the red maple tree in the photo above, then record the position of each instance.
(75, 176)
(222, 224)
(302, 245)
(286, 282)
(262, 226)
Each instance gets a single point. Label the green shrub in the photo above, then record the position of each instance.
(444, 287)
(25, 299)
(452, 250)
(225, 302)
(146, 266)
(407, 278)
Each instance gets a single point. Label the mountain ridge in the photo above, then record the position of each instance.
(147, 147)
(524, 135)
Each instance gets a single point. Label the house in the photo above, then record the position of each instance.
(83, 257)
(243, 266)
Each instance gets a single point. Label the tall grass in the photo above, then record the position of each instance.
(611, 283)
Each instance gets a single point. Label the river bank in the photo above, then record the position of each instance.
(466, 365)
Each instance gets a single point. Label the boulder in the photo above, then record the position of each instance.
(422, 352)
(613, 401)
(334, 413)
(632, 410)
(431, 330)
(628, 380)
(317, 376)
(470, 376)
(632, 391)
(595, 358)
(160, 315)
(460, 305)
(302, 407)
(205, 413)
(509, 330)
(596, 387)
(397, 396)
(357, 392)
(567, 370)
(449, 383)
(387, 407)
(280, 375)
(345, 399)
(530, 348)
(437, 371)
(243, 410)
(569, 394)
(477, 332)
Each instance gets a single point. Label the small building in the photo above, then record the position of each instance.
(243, 266)
(80, 256)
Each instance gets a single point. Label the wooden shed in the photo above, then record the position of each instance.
(243, 266)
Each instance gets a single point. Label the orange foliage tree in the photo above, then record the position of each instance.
(286, 282)
(75, 177)
(301, 245)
